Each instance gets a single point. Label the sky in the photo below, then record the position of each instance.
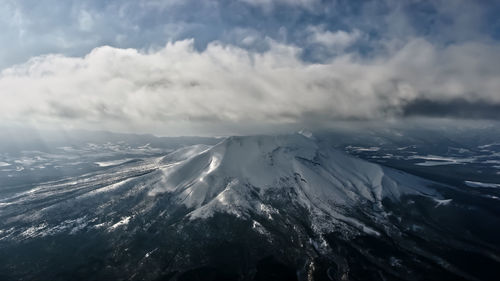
(212, 67)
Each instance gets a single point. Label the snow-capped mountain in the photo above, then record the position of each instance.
(248, 208)
(238, 175)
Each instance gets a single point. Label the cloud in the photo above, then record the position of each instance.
(228, 89)
(270, 3)
(74, 28)
(85, 21)
(338, 40)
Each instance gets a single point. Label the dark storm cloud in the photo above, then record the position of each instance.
(453, 108)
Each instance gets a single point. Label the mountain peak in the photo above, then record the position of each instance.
(241, 174)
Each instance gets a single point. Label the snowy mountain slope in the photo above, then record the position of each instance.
(235, 175)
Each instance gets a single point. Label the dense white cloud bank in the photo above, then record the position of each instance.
(226, 89)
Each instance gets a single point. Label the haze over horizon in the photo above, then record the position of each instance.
(222, 67)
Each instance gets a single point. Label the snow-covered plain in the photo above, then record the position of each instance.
(482, 184)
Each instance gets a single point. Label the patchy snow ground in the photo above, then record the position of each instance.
(482, 184)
